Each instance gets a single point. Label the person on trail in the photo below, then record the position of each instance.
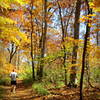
(13, 76)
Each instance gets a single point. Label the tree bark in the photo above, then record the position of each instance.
(64, 35)
(12, 52)
(32, 28)
(75, 48)
(84, 52)
(63, 40)
(98, 36)
(43, 41)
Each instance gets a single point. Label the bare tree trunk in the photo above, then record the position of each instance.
(64, 34)
(98, 37)
(43, 40)
(75, 48)
(18, 59)
(32, 26)
(63, 40)
(84, 53)
(83, 61)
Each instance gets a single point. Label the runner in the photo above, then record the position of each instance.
(13, 76)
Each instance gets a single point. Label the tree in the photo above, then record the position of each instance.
(84, 51)
(43, 40)
(32, 28)
(64, 26)
(75, 47)
(12, 51)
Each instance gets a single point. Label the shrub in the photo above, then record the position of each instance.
(53, 75)
(40, 89)
(26, 75)
(59, 84)
(5, 81)
(27, 81)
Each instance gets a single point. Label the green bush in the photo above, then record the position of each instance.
(96, 74)
(26, 76)
(59, 84)
(27, 81)
(5, 81)
(53, 75)
(40, 89)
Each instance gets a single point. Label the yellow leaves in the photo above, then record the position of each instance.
(13, 39)
(6, 3)
(91, 4)
(66, 3)
(90, 25)
(92, 18)
(98, 52)
(95, 5)
(91, 15)
(18, 14)
(7, 31)
(24, 42)
(72, 40)
(22, 36)
(13, 34)
(4, 21)
(97, 9)
(75, 65)
(36, 3)
(6, 69)
(87, 17)
(20, 1)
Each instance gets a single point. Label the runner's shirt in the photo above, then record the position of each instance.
(13, 76)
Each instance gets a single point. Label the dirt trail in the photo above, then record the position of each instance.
(22, 93)
(26, 93)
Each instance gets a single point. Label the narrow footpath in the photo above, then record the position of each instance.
(26, 93)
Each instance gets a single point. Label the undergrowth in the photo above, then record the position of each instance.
(40, 89)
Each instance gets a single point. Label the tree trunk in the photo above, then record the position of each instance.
(63, 40)
(43, 40)
(84, 53)
(12, 52)
(75, 48)
(98, 36)
(32, 26)
(64, 31)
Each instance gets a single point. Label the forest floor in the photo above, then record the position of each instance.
(26, 93)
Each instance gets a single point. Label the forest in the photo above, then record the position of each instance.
(52, 47)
